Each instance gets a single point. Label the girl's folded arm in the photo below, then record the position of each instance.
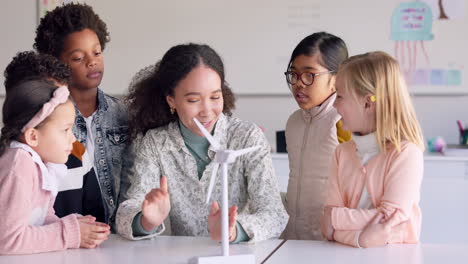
(402, 185)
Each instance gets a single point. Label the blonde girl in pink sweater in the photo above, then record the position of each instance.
(374, 185)
(35, 143)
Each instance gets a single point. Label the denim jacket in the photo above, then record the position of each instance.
(111, 132)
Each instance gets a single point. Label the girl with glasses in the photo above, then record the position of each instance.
(313, 131)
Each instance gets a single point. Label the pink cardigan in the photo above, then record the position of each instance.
(28, 223)
(393, 182)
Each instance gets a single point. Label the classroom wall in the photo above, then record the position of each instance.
(436, 113)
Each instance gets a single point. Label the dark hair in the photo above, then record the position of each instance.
(57, 24)
(22, 102)
(29, 65)
(148, 107)
(332, 50)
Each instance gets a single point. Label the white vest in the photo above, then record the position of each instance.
(311, 139)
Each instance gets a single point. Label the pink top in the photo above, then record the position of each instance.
(28, 221)
(393, 181)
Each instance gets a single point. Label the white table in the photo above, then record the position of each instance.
(166, 249)
(300, 251)
(162, 249)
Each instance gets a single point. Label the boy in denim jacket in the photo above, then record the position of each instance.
(77, 36)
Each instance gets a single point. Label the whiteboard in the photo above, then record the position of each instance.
(255, 38)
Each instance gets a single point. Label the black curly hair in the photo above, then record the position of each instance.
(28, 65)
(57, 24)
(147, 103)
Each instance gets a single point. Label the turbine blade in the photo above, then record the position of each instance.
(212, 182)
(240, 152)
(207, 134)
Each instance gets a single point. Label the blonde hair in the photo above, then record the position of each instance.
(377, 73)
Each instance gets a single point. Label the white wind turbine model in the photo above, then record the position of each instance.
(223, 157)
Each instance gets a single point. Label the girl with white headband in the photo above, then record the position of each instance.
(35, 143)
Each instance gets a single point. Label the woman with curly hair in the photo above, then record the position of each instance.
(77, 36)
(170, 161)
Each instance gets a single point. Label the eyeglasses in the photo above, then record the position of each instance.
(307, 78)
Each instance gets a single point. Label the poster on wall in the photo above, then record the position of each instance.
(416, 44)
